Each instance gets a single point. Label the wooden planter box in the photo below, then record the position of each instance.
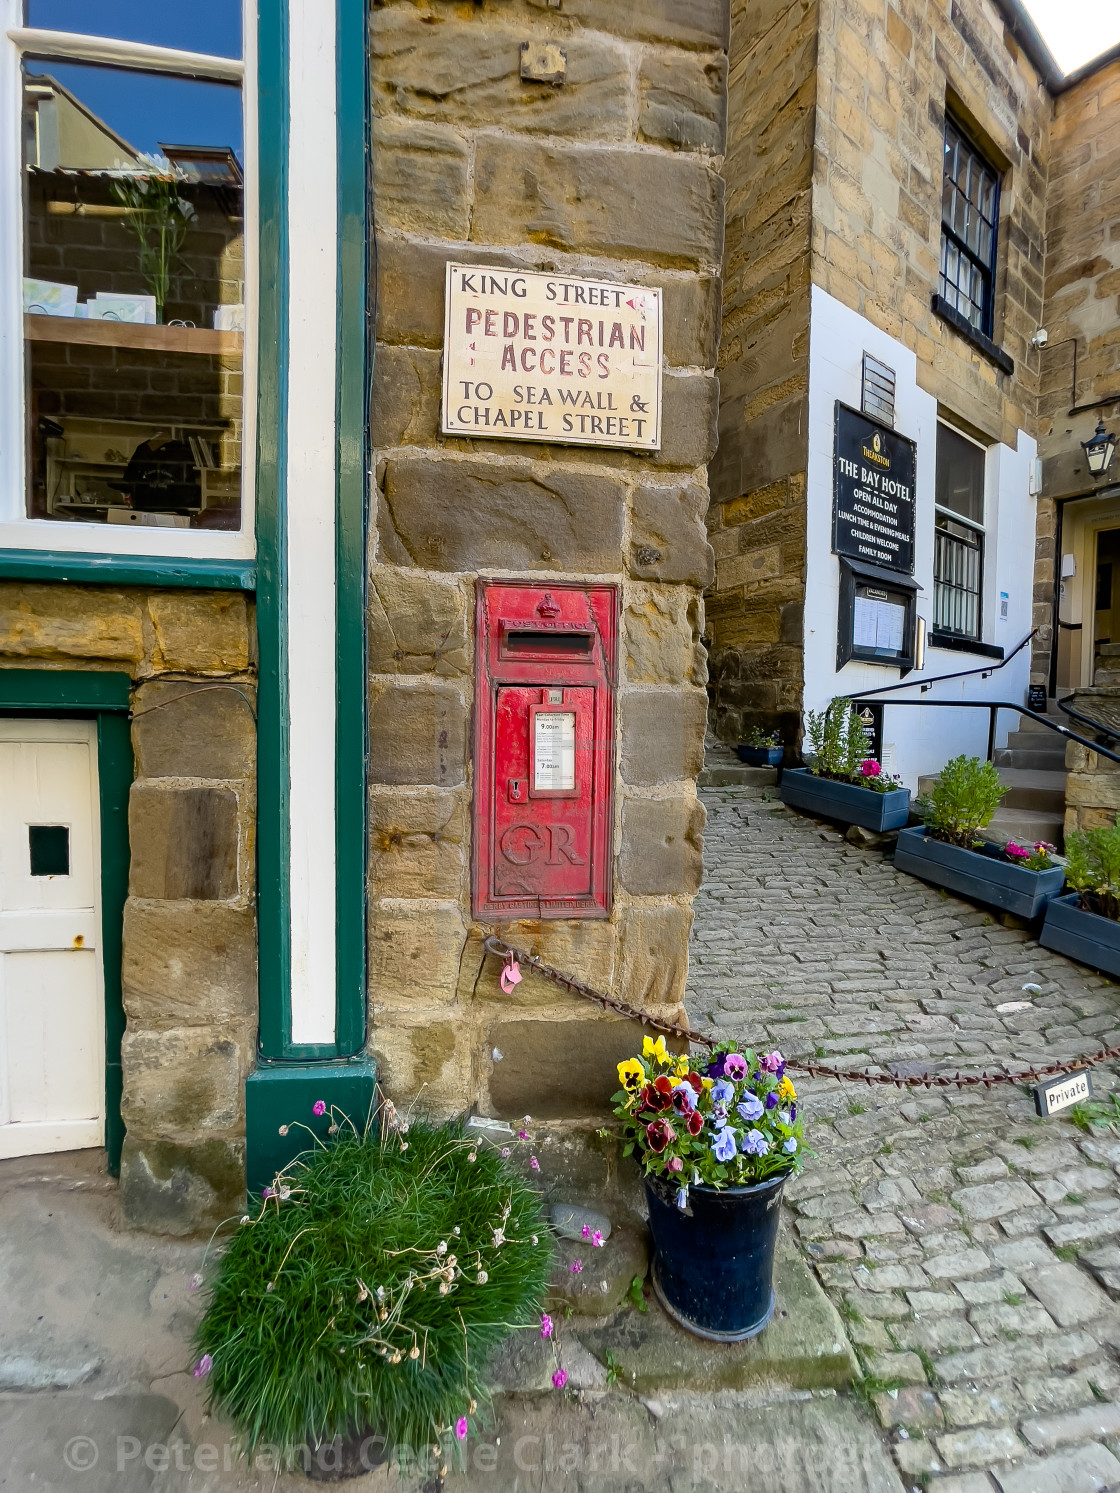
(979, 875)
(845, 801)
(1084, 936)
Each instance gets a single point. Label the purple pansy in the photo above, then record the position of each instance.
(723, 1092)
(684, 1098)
(751, 1108)
(754, 1144)
(771, 1100)
(735, 1066)
(723, 1147)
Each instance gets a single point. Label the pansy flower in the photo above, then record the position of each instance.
(655, 1050)
(786, 1089)
(659, 1133)
(735, 1066)
(772, 1062)
(750, 1108)
(684, 1098)
(631, 1075)
(754, 1143)
(723, 1147)
(723, 1092)
(695, 1122)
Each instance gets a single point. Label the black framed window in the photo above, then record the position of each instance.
(969, 230)
(958, 541)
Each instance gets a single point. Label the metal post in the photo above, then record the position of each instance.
(993, 711)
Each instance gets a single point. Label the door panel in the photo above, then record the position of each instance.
(52, 1022)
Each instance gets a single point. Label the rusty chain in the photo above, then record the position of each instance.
(504, 951)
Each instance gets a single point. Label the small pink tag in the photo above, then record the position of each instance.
(510, 976)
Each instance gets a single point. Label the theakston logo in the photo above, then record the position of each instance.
(875, 452)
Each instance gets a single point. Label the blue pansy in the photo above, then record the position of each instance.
(724, 1144)
(754, 1143)
(722, 1092)
(751, 1108)
(790, 1145)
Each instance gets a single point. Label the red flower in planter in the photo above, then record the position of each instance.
(659, 1134)
(695, 1122)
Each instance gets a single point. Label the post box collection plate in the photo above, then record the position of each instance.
(544, 750)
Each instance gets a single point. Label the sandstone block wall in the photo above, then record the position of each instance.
(757, 519)
(189, 959)
(613, 174)
(1082, 302)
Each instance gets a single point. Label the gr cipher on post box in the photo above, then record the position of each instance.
(544, 750)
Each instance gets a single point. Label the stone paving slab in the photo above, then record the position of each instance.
(970, 1247)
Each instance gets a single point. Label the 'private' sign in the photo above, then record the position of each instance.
(542, 357)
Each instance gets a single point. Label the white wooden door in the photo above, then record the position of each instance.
(52, 1006)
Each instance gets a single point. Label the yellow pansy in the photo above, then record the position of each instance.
(631, 1074)
(707, 1082)
(655, 1050)
(681, 1069)
(786, 1090)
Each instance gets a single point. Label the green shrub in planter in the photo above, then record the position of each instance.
(1093, 869)
(370, 1288)
(962, 801)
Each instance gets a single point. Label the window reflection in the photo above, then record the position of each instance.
(134, 298)
(212, 26)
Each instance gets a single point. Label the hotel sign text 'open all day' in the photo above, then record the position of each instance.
(542, 357)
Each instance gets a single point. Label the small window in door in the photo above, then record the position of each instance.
(49, 846)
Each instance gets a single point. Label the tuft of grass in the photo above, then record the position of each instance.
(886, 1149)
(855, 1108)
(1014, 1298)
(1073, 1197)
(1028, 1142)
(327, 1316)
(1067, 1252)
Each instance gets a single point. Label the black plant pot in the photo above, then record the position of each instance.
(982, 875)
(713, 1264)
(847, 802)
(761, 756)
(344, 1457)
(1085, 936)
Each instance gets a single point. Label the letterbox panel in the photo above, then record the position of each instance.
(544, 750)
(542, 840)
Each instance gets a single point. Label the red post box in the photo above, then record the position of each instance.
(544, 750)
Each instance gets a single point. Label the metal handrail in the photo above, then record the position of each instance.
(1087, 720)
(993, 707)
(924, 684)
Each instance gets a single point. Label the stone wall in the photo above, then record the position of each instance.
(757, 518)
(614, 173)
(1082, 290)
(189, 959)
(1092, 781)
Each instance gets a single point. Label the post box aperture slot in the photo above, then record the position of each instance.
(577, 643)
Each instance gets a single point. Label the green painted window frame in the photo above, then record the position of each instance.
(103, 697)
(355, 356)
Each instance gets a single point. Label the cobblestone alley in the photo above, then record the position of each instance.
(973, 1249)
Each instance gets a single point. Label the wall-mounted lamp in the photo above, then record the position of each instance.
(1098, 450)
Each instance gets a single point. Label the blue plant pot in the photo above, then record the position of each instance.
(1084, 936)
(713, 1265)
(976, 874)
(848, 802)
(761, 756)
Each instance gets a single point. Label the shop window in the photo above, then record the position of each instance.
(969, 231)
(958, 542)
(130, 243)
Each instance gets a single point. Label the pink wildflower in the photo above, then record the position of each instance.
(504, 1153)
(546, 1325)
(534, 1164)
(319, 1107)
(560, 1378)
(576, 1267)
(203, 1366)
(1019, 852)
(597, 1240)
(522, 1135)
(266, 1192)
(461, 1428)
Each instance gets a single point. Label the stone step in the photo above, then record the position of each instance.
(735, 775)
(1037, 741)
(1025, 827)
(1031, 788)
(1043, 759)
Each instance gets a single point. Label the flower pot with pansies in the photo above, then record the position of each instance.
(843, 780)
(1085, 924)
(950, 850)
(760, 748)
(716, 1143)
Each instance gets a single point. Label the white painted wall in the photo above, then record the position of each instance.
(922, 740)
(311, 509)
